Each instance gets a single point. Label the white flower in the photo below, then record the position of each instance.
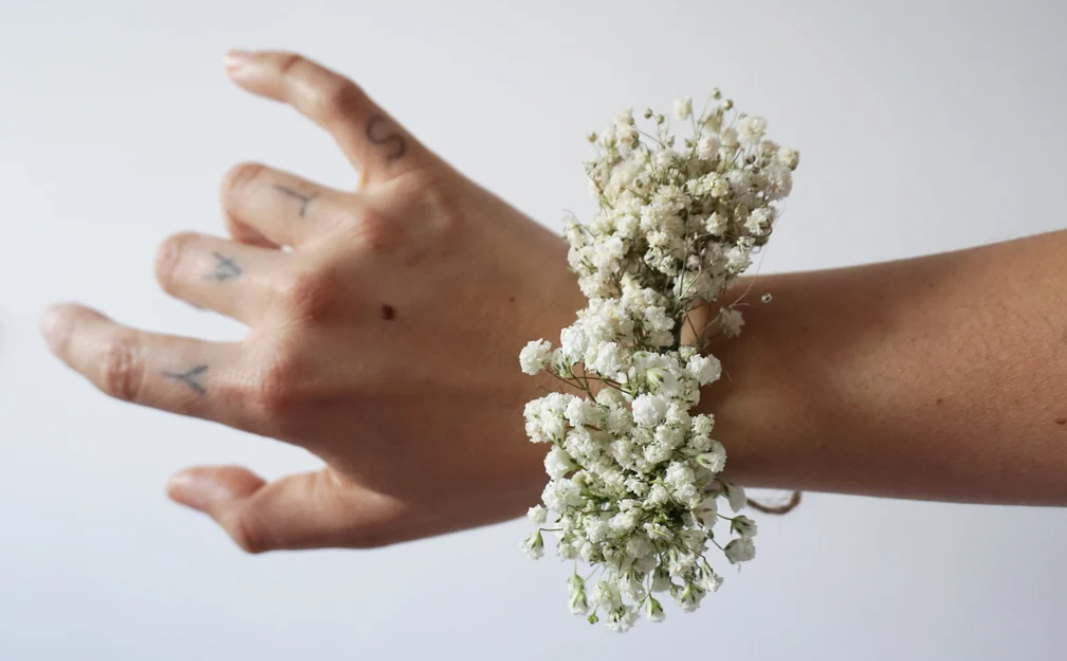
(705, 369)
(779, 182)
(688, 597)
(731, 322)
(637, 546)
(621, 619)
(669, 436)
(708, 147)
(534, 546)
(688, 495)
(607, 595)
(738, 259)
(653, 610)
(744, 526)
(759, 220)
(658, 532)
(707, 512)
(578, 604)
(740, 550)
(661, 580)
(750, 131)
(623, 522)
(573, 342)
(683, 108)
(703, 423)
(729, 138)
(715, 224)
(610, 359)
(735, 495)
(558, 463)
(715, 458)
(537, 515)
(566, 551)
(649, 410)
(678, 475)
(582, 412)
(709, 581)
(560, 494)
(630, 586)
(597, 530)
(789, 157)
(534, 356)
(657, 495)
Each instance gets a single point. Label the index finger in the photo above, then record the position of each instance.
(373, 142)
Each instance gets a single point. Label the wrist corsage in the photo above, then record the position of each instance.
(635, 490)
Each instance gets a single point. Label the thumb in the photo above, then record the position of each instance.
(303, 511)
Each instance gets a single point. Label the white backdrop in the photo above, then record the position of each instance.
(922, 126)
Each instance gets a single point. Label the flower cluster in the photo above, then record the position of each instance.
(635, 482)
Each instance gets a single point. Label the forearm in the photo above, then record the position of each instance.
(942, 377)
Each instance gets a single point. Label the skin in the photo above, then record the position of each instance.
(385, 341)
(942, 377)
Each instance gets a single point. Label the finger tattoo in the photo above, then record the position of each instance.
(384, 136)
(190, 378)
(305, 200)
(225, 270)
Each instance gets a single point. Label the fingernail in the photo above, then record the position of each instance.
(50, 326)
(235, 59)
(196, 491)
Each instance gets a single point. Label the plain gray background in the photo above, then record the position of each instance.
(923, 126)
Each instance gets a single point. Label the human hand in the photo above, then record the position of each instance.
(385, 341)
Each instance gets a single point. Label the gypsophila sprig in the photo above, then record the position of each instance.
(635, 484)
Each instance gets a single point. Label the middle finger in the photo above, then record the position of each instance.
(224, 276)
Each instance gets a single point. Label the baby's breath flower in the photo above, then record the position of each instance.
(649, 410)
(578, 603)
(534, 545)
(789, 157)
(731, 321)
(705, 369)
(634, 486)
(744, 526)
(537, 515)
(707, 512)
(534, 356)
(683, 108)
(653, 610)
(708, 147)
(750, 131)
(740, 550)
(709, 581)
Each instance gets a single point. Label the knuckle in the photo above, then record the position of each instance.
(239, 183)
(289, 61)
(248, 532)
(375, 233)
(170, 255)
(307, 296)
(338, 101)
(122, 371)
(276, 390)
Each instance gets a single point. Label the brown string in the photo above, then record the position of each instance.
(788, 507)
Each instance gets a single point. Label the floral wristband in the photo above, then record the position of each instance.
(635, 486)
